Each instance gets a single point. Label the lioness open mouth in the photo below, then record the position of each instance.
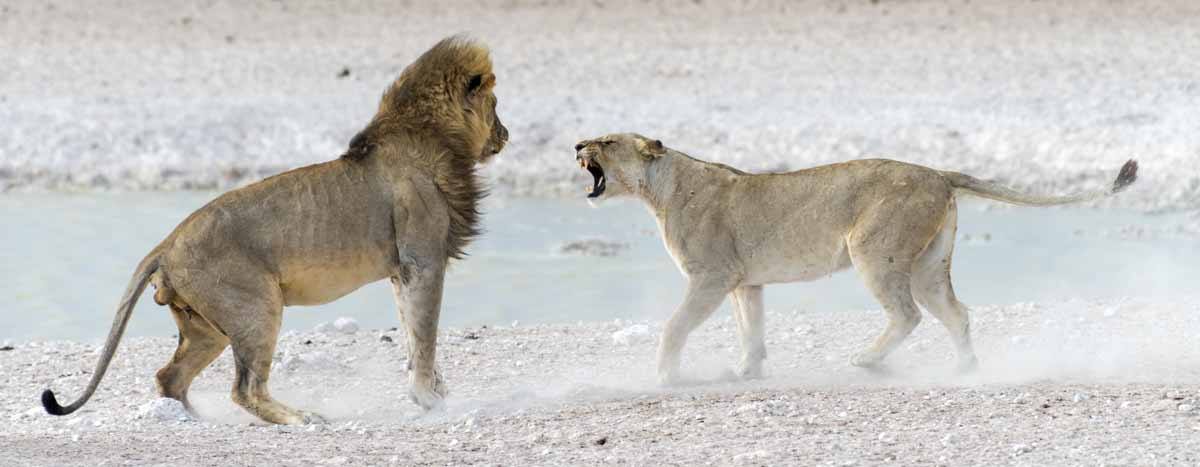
(598, 179)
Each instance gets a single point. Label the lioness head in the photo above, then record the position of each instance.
(446, 96)
(622, 157)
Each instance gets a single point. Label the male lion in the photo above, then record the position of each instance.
(398, 204)
(733, 232)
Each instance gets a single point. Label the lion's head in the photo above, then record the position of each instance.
(622, 158)
(446, 95)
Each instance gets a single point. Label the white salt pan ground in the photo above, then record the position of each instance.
(1046, 95)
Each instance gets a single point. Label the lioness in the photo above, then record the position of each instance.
(731, 232)
(398, 204)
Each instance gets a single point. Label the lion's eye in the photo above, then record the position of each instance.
(607, 142)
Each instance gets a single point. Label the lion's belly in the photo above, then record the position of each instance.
(795, 262)
(317, 284)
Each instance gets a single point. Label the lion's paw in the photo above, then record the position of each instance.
(429, 394)
(312, 418)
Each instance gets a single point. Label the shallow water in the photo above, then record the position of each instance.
(66, 259)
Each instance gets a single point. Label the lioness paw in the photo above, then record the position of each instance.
(749, 370)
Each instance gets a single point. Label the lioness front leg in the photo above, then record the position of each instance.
(420, 302)
(749, 317)
(704, 295)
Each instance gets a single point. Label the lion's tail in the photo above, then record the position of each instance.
(136, 285)
(998, 192)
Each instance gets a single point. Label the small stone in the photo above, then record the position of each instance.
(345, 73)
(1022, 448)
(346, 325)
(602, 441)
(385, 338)
(632, 334)
(325, 328)
(887, 438)
(1080, 397)
(164, 410)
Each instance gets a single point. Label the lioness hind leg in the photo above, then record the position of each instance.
(749, 317)
(884, 251)
(933, 290)
(199, 345)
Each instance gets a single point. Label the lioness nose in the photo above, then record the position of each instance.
(578, 147)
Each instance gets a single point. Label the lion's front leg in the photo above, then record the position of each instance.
(419, 297)
(749, 317)
(704, 295)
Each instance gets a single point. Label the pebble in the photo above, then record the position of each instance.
(346, 325)
(631, 335)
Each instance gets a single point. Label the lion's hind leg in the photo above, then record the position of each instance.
(933, 290)
(247, 307)
(199, 344)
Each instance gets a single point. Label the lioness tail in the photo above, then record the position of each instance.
(136, 285)
(998, 192)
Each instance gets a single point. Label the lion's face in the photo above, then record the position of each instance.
(497, 134)
(481, 107)
(622, 158)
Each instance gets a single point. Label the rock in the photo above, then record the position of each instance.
(1021, 448)
(749, 456)
(315, 360)
(385, 338)
(164, 410)
(325, 328)
(346, 325)
(631, 335)
(592, 247)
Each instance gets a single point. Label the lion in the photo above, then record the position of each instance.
(731, 232)
(400, 203)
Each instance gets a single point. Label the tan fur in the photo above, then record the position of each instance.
(731, 233)
(398, 205)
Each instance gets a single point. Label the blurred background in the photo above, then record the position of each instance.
(118, 118)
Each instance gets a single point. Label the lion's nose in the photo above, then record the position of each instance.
(578, 147)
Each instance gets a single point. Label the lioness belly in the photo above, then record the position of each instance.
(796, 262)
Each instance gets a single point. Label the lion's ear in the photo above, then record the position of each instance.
(651, 147)
(480, 85)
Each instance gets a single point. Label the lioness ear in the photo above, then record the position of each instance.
(651, 147)
(480, 84)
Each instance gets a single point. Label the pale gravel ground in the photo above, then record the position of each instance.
(1070, 383)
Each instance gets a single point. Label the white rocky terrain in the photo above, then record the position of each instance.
(1069, 383)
